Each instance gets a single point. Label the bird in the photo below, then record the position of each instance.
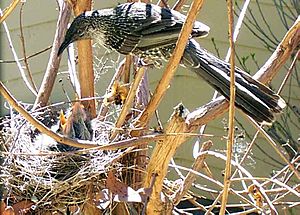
(151, 32)
(77, 125)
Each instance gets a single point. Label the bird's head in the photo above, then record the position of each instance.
(79, 29)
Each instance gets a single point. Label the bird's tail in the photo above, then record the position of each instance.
(254, 98)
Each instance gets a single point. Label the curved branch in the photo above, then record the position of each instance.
(41, 127)
(8, 10)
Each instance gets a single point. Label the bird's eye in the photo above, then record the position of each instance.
(80, 32)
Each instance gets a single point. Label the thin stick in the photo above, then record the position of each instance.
(214, 181)
(293, 64)
(163, 3)
(128, 102)
(238, 27)
(275, 181)
(178, 5)
(28, 57)
(8, 10)
(218, 155)
(230, 140)
(276, 148)
(128, 61)
(235, 36)
(283, 52)
(213, 205)
(72, 70)
(247, 173)
(88, 146)
(247, 152)
(172, 65)
(104, 108)
(190, 177)
(24, 51)
(21, 70)
(151, 189)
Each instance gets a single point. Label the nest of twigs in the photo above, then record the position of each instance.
(51, 176)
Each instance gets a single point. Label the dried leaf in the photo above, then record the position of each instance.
(121, 208)
(144, 193)
(74, 209)
(90, 208)
(8, 211)
(22, 207)
(17, 209)
(118, 94)
(129, 196)
(123, 92)
(101, 199)
(120, 191)
(2, 207)
(254, 191)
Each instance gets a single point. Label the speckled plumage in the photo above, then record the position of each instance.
(137, 28)
(151, 32)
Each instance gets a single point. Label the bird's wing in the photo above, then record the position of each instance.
(152, 26)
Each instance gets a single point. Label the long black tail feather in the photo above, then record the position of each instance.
(254, 98)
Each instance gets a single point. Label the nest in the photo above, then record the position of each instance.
(36, 168)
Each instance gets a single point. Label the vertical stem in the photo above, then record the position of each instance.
(85, 62)
(172, 65)
(230, 140)
(128, 102)
(53, 64)
(235, 35)
(26, 63)
(128, 61)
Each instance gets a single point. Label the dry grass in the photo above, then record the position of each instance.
(56, 177)
(52, 175)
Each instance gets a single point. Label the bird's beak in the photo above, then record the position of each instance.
(64, 45)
